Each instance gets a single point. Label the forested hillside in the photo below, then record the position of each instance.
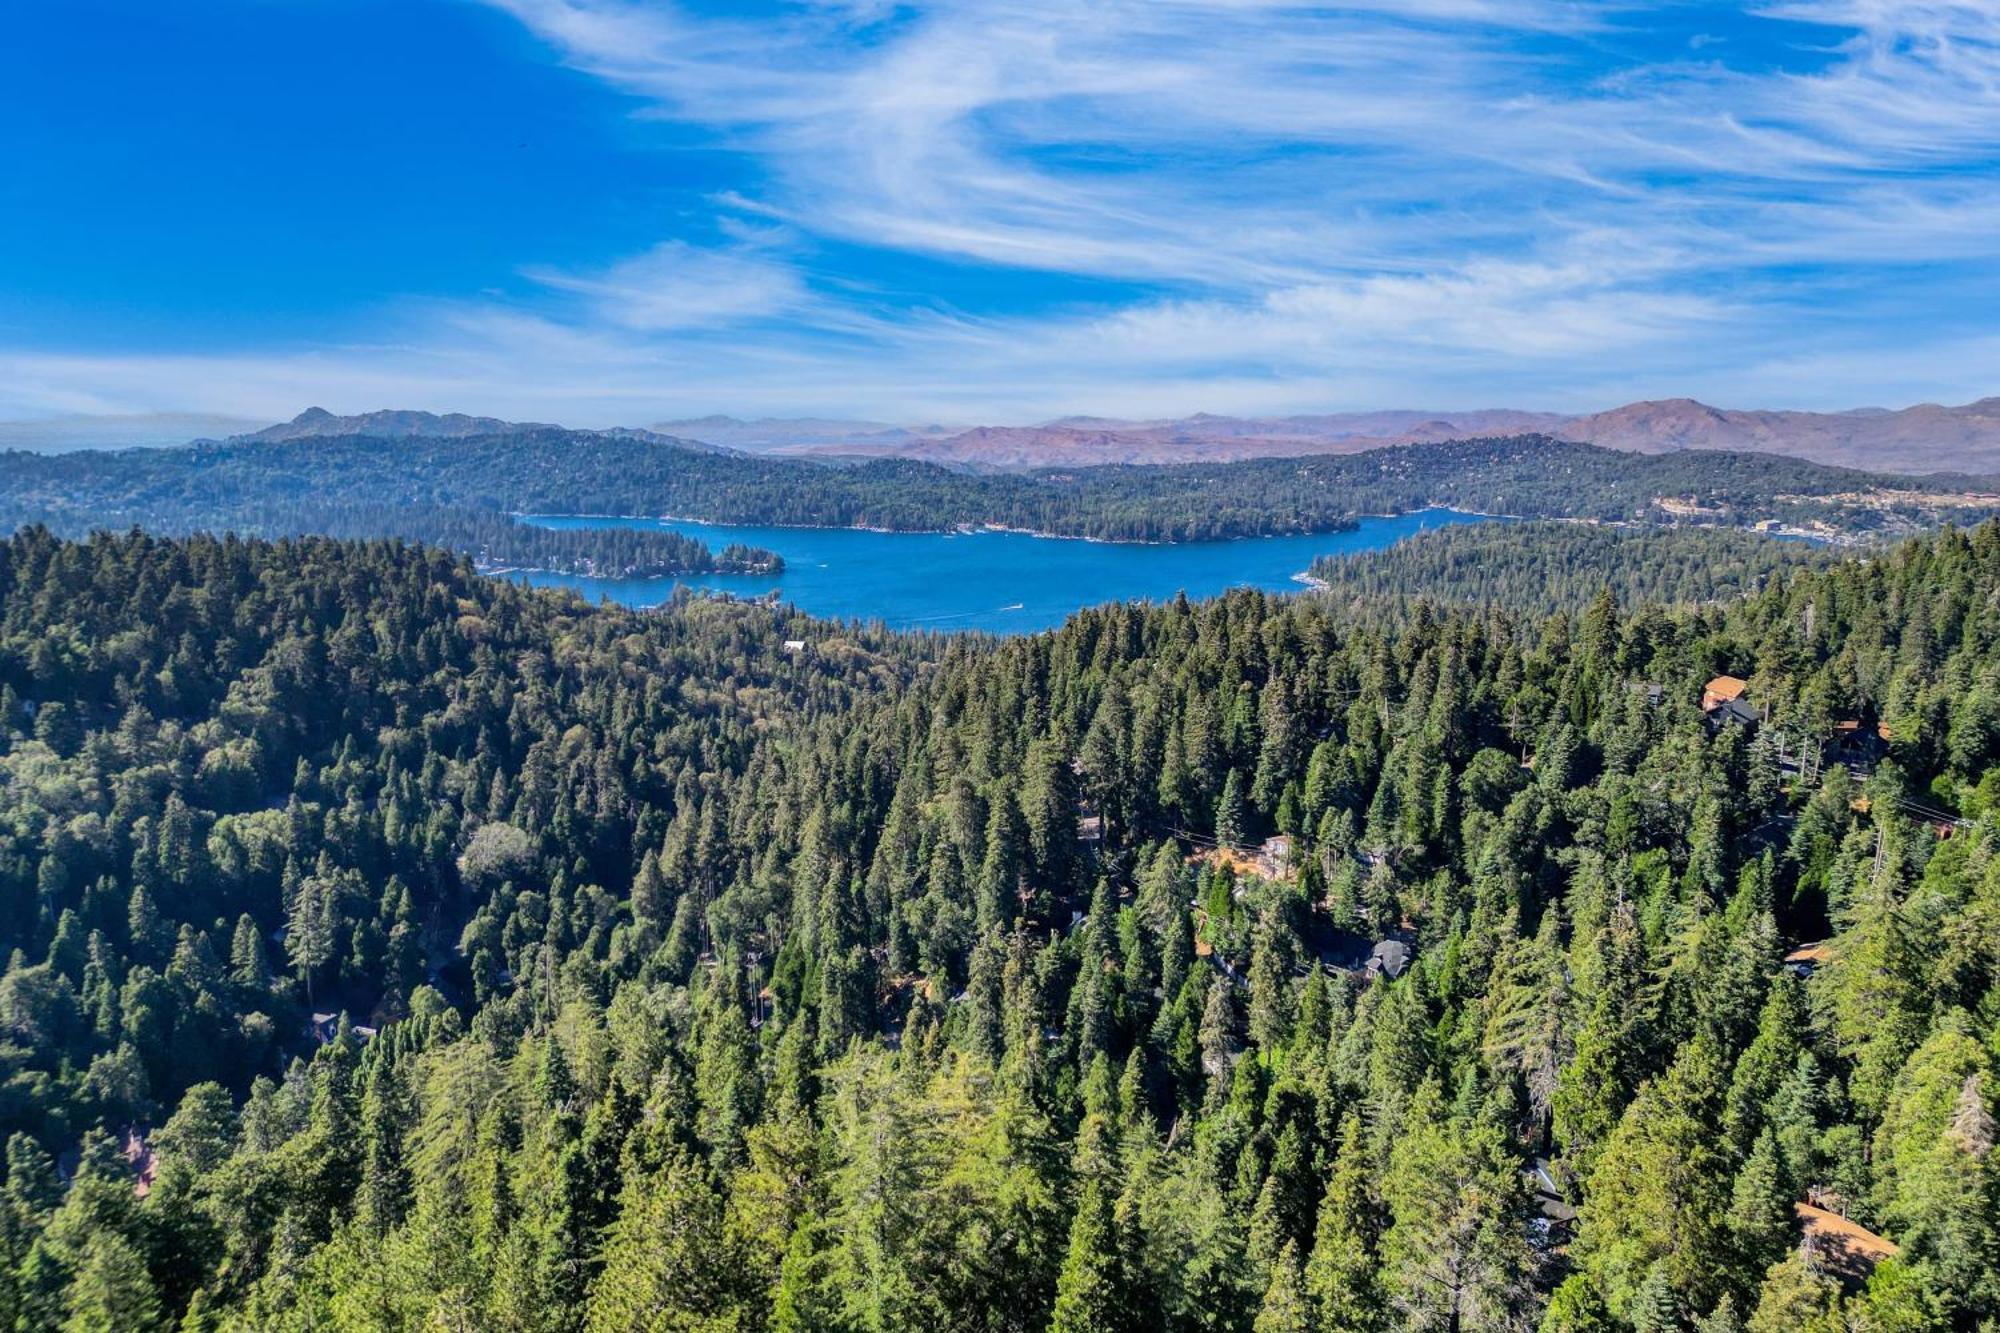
(1548, 566)
(496, 541)
(393, 948)
(331, 485)
(499, 542)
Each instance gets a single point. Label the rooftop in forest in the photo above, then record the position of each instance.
(1840, 1245)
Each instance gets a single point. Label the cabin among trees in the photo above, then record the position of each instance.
(1274, 856)
(1390, 958)
(1723, 704)
(1857, 746)
(1852, 743)
(1807, 959)
(1839, 1247)
(1721, 690)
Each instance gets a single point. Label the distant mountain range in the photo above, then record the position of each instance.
(1925, 438)
(57, 435)
(799, 434)
(317, 423)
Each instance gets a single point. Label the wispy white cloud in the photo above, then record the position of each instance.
(1417, 201)
(679, 286)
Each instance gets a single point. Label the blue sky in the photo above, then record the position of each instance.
(617, 211)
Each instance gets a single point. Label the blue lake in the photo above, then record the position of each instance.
(999, 582)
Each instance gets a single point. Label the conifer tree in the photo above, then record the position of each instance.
(1342, 1276)
(1659, 1194)
(1760, 1207)
(668, 1262)
(1090, 1295)
(1455, 1254)
(1285, 1308)
(1229, 811)
(111, 1291)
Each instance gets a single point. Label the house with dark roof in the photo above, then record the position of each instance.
(1724, 703)
(1857, 746)
(1732, 713)
(1390, 959)
(1556, 1215)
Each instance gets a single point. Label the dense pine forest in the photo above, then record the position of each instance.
(361, 486)
(496, 541)
(501, 542)
(393, 948)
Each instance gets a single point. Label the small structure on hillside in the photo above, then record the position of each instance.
(1839, 1246)
(138, 1155)
(1722, 690)
(325, 1027)
(1857, 746)
(1274, 856)
(1723, 704)
(1557, 1215)
(1805, 960)
(1390, 959)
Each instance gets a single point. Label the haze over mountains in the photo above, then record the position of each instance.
(55, 435)
(798, 434)
(1926, 438)
(318, 423)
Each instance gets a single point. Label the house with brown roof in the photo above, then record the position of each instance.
(1724, 704)
(1722, 690)
(1839, 1246)
(138, 1155)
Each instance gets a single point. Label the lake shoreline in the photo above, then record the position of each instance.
(1010, 583)
(975, 530)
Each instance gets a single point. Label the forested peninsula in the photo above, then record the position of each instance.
(390, 947)
(1555, 565)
